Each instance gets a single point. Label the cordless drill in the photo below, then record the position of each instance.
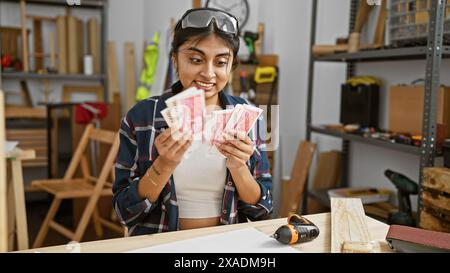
(298, 230)
(250, 38)
(405, 187)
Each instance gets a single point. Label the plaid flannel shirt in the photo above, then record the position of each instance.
(142, 124)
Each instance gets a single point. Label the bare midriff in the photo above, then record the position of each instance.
(189, 223)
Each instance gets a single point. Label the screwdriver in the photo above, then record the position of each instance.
(298, 230)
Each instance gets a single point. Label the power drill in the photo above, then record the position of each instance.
(405, 187)
(298, 230)
(250, 39)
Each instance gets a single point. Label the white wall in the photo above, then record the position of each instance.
(287, 25)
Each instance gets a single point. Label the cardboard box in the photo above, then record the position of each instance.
(406, 109)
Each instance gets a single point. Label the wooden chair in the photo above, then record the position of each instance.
(86, 187)
(293, 191)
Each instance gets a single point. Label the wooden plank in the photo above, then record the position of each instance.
(61, 33)
(300, 170)
(80, 45)
(3, 195)
(430, 222)
(38, 47)
(362, 16)
(68, 91)
(25, 112)
(327, 175)
(130, 75)
(437, 179)
(51, 41)
(113, 74)
(41, 18)
(72, 45)
(196, 4)
(258, 43)
(23, 20)
(20, 209)
(93, 42)
(25, 93)
(381, 25)
(103, 135)
(348, 223)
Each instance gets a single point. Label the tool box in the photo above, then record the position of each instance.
(359, 103)
(408, 22)
(406, 109)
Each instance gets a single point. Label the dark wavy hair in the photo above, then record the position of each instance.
(181, 35)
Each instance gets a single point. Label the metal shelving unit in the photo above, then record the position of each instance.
(372, 141)
(101, 6)
(386, 54)
(24, 76)
(432, 53)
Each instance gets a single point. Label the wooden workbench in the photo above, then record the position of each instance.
(322, 243)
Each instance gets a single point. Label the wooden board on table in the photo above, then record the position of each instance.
(348, 223)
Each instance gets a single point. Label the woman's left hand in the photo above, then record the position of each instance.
(237, 148)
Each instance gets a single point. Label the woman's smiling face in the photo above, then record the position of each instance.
(205, 64)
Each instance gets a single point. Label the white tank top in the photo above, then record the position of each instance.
(200, 179)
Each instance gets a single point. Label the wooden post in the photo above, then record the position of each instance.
(24, 36)
(52, 49)
(130, 75)
(196, 4)
(93, 43)
(381, 25)
(3, 202)
(38, 47)
(113, 75)
(61, 34)
(258, 43)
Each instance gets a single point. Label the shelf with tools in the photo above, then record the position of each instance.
(432, 53)
(368, 140)
(62, 50)
(383, 54)
(47, 76)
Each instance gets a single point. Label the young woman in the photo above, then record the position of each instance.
(157, 188)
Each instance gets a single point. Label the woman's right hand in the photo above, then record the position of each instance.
(171, 146)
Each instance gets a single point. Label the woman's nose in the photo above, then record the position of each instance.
(208, 71)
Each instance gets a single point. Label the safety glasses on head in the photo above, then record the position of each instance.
(202, 17)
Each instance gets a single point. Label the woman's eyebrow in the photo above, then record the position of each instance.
(225, 54)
